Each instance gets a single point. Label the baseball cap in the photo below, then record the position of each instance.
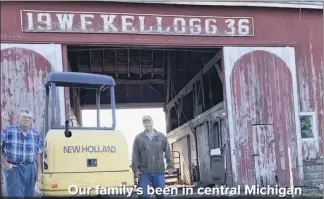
(147, 118)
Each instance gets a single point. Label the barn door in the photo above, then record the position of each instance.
(203, 154)
(24, 68)
(217, 153)
(262, 115)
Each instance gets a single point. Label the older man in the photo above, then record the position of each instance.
(21, 149)
(147, 159)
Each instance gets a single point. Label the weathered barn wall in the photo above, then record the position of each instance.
(178, 138)
(203, 149)
(301, 28)
(313, 173)
(24, 68)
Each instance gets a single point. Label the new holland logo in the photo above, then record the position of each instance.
(89, 149)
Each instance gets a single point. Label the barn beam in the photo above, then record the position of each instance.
(188, 88)
(154, 89)
(210, 92)
(140, 81)
(78, 62)
(103, 61)
(128, 64)
(220, 73)
(90, 61)
(152, 66)
(116, 64)
(140, 67)
(123, 106)
(163, 63)
(168, 92)
(203, 93)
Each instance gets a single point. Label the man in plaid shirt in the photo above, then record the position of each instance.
(21, 149)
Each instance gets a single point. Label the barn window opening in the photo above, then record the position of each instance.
(307, 125)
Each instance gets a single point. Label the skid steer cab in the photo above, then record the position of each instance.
(80, 161)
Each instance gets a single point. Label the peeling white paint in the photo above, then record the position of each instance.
(231, 55)
(53, 54)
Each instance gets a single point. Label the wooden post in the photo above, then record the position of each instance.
(194, 100)
(220, 73)
(210, 92)
(323, 103)
(66, 68)
(202, 93)
(186, 66)
(168, 92)
(180, 110)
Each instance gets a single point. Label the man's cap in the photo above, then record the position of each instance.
(147, 118)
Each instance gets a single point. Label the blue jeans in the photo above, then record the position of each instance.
(20, 181)
(156, 180)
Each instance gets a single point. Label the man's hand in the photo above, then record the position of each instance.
(137, 173)
(7, 165)
(39, 176)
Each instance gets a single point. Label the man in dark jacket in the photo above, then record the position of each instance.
(147, 159)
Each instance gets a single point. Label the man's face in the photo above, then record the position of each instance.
(148, 125)
(25, 119)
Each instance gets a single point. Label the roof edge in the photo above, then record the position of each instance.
(201, 3)
(253, 4)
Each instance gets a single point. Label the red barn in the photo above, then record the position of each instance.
(241, 83)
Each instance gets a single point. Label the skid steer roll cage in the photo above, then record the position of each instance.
(79, 80)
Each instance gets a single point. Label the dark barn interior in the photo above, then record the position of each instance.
(151, 77)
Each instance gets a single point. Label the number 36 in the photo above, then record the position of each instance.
(243, 26)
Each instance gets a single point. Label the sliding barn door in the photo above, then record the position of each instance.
(24, 69)
(263, 115)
